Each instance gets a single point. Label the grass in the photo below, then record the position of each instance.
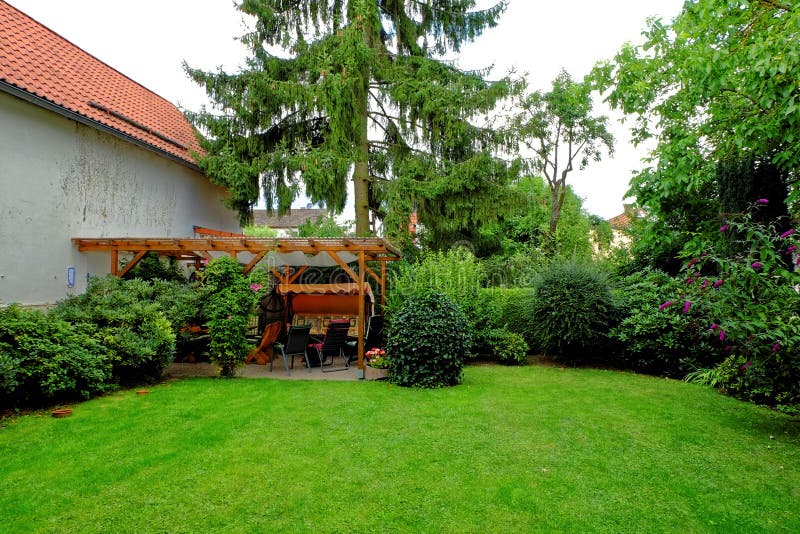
(513, 449)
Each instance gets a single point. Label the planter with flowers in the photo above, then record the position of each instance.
(376, 364)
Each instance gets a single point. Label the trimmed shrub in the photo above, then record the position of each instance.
(572, 311)
(43, 360)
(122, 315)
(508, 347)
(227, 301)
(509, 308)
(427, 341)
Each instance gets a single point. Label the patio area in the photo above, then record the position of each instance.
(204, 369)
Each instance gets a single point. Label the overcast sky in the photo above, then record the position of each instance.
(148, 39)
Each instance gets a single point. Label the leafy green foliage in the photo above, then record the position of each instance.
(44, 360)
(523, 230)
(669, 341)
(427, 341)
(155, 267)
(123, 316)
(716, 83)
(455, 273)
(508, 347)
(322, 227)
(259, 231)
(227, 301)
(338, 87)
(572, 311)
(506, 308)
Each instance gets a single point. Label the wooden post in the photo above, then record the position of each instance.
(362, 321)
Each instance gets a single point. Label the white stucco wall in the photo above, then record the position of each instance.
(60, 179)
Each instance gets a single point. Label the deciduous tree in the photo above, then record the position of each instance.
(718, 84)
(559, 128)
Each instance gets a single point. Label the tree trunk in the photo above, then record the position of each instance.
(555, 214)
(361, 167)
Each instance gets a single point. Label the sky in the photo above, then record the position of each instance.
(147, 40)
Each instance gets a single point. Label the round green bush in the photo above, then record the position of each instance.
(427, 341)
(572, 310)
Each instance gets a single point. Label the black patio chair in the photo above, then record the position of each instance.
(332, 344)
(373, 338)
(294, 344)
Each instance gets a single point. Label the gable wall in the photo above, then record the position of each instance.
(60, 179)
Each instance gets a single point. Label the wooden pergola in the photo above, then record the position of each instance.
(282, 252)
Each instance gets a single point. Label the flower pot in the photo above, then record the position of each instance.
(372, 373)
(62, 412)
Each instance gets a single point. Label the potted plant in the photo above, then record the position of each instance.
(376, 364)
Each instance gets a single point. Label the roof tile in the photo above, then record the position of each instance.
(41, 62)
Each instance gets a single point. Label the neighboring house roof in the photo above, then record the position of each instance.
(620, 222)
(624, 220)
(42, 67)
(292, 219)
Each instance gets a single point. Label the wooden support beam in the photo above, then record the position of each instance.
(258, 257)
(115, 262)
(131, 264)
(297, 273)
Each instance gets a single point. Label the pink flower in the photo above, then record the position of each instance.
(791, 249)
(775, 347)
(686, 306)
(756, 265)
(713, 327)
(721, 334)
(728, 348)
(746, 366)
(690, 281)
(665, 305)
(204, 261)
(787, 233)
(762, 201)
(705, 283)
(230, 317)
(718, 283)
(256, 287)
(692, 262)
(723, 228)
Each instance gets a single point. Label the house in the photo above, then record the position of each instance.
(620, 225)
(85, 152)
(287, 225)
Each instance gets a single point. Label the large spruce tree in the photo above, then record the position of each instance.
(357, 89)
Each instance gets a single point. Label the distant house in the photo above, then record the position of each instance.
(85, 152)
(620, 225)
(287, 225)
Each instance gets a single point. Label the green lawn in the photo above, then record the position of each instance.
(511, 450)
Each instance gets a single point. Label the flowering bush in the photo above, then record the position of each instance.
(376, 358)
(753, 307)
(669, 341)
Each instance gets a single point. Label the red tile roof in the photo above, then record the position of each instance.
(41, 63)
(620, 222)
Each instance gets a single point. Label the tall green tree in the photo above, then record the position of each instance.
(354, 89)
(558, 127)
(718, 84)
